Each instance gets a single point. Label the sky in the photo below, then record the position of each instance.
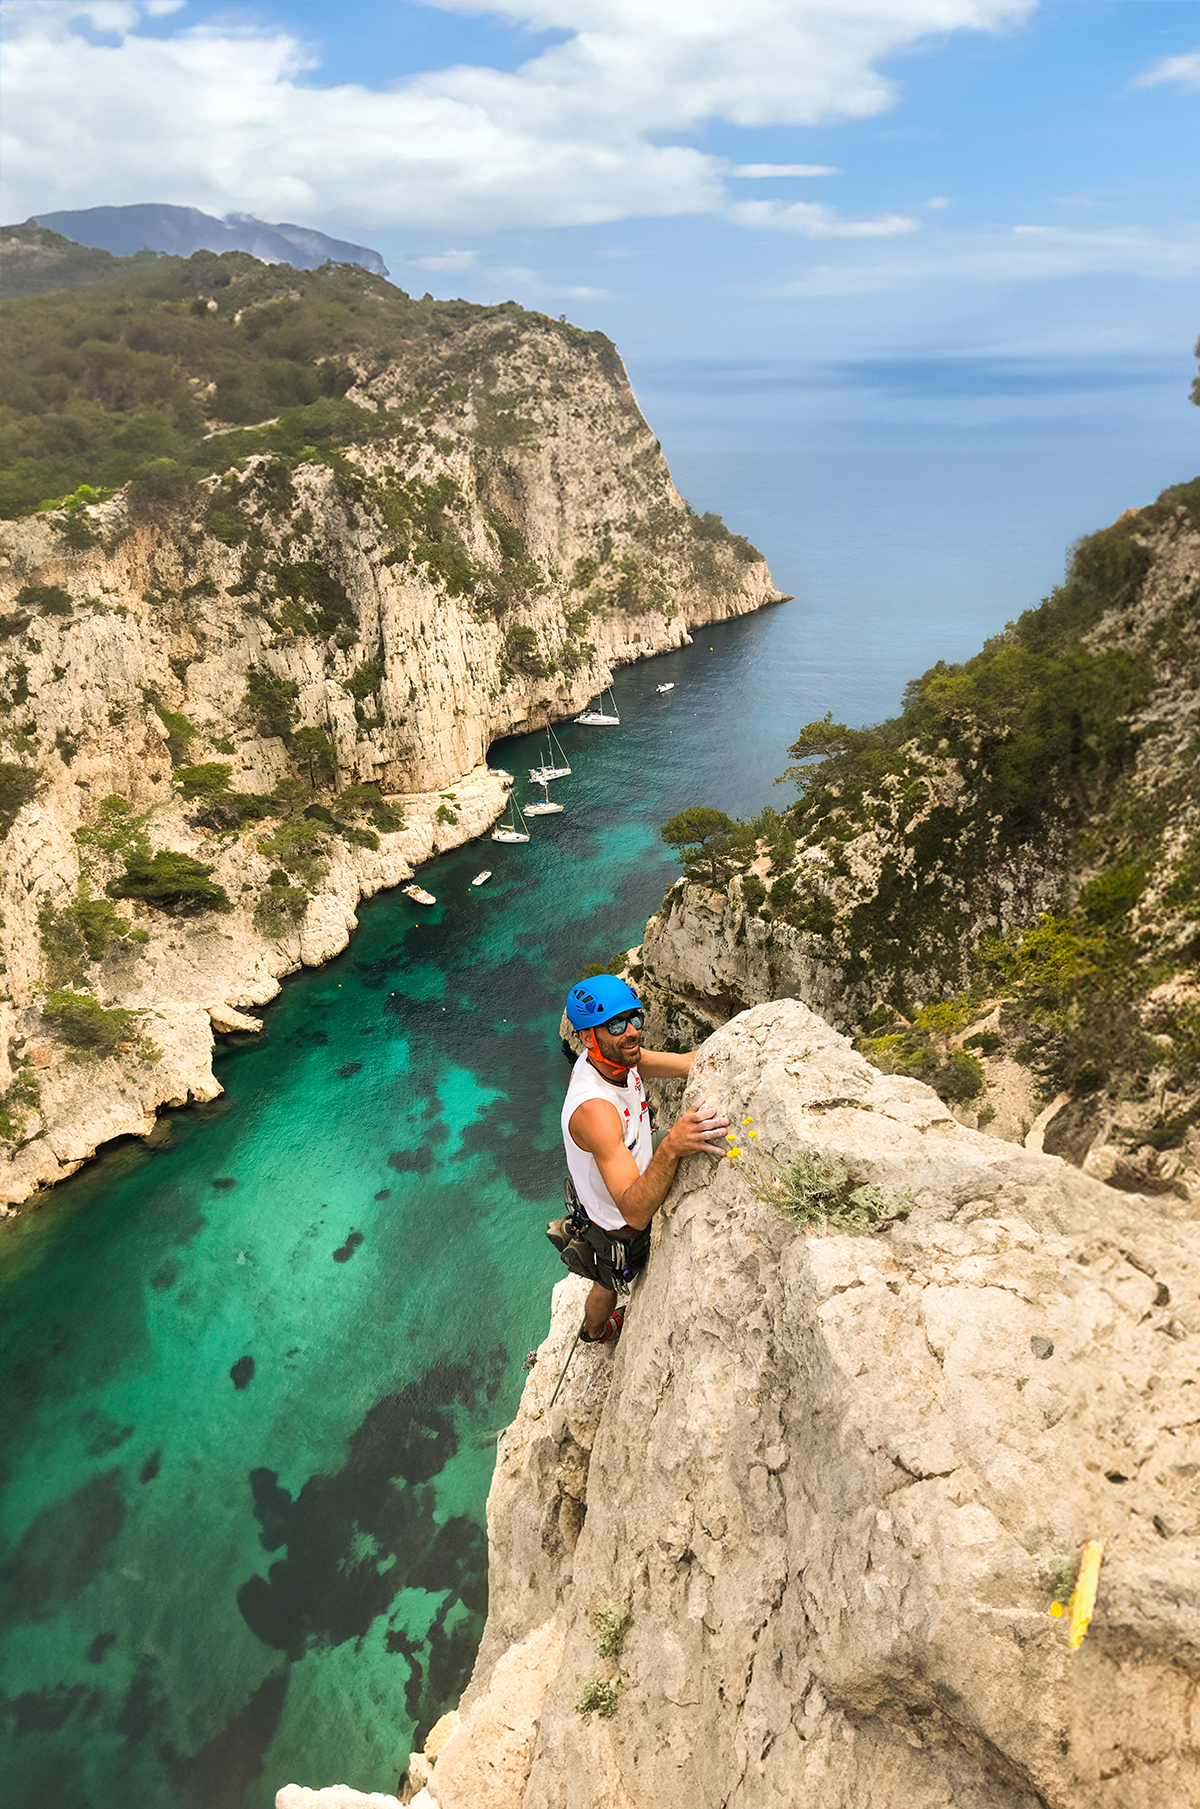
(953, 205)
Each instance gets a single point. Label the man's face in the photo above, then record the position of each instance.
(624, 1049)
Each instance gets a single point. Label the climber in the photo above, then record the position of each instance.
(617, 1180)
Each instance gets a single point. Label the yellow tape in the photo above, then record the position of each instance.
(1084, 1598)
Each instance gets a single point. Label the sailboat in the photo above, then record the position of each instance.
(548, 770)
(544, 808)
(596, 719)
(508, 832)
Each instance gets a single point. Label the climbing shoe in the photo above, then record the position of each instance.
(560, 1233)
(611, 1332)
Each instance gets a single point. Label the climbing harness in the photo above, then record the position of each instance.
(588, 1250)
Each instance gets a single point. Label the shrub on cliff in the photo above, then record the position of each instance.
(219, 808)
(270, 701)
(313, 750)
(19, 785)
(280, 906)
(170, 881)
(299, 845)
(87, 1026)
(80, 932)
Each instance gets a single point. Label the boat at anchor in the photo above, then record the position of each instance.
(595, 719)
(548, 770)
(418, 894)
(543, 807)
(508, 832)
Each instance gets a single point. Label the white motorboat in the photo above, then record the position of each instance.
(418, 894)
(541, 774)
(597, 719)
(508, 832)
(661, 688)
(543, 807)
(481, 877)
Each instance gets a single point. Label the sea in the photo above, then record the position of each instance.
(254, 1371)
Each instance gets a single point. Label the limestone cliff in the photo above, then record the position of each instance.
(1000, 890)
(799, 1538)
(287, 673)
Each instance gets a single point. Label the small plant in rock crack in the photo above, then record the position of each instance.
(1061, 1574)
(611, 1625)
(816, 1190)
(600, 1696)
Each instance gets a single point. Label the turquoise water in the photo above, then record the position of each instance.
(254, 1377)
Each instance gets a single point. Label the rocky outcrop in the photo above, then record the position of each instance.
(505, 534)
(831, 1485)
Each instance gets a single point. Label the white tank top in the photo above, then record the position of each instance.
(632, 1110)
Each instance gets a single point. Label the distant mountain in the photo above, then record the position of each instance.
(153, 226)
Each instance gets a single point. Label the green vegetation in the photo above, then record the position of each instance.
(703, 838)
(299, 845)
(92, 1032)
(45, 599)
(79, 933)
(180, 733)
(36, 259)
(171, 882)
(313, 750)
(600, 1696)
(116, 833)
(1061, 1577)
(24, 1095)
(103, 382)
(521, 651)
(710, 528)
(219, 808)
(610, 1626)
(816, 1190)
(280, 906)
(365, 680)
(19, 785)
(270, 702)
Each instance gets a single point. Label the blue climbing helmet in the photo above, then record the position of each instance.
(594, 1001)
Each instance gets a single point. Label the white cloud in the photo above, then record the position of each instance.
(784, 169)
(447, 260)
(218, 115)
(936, 203)
(1185, 69)
(816, 221)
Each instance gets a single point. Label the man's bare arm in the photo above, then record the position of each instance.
(596, 1127)
(656, 1064)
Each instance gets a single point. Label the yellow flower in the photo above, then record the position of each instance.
(735, 1151)
(1056, 1609)
(752, 1133)
(747, 1121)
(731, 1136)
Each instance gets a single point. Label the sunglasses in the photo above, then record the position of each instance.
(633, 1020)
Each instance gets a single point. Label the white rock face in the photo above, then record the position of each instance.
(826, 1477)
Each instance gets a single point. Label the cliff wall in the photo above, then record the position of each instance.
(998, 892)
(831, 1485)
(290, 672)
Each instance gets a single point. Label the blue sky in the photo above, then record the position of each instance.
(992, 203)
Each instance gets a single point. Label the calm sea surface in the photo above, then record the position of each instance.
(254, 1378)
